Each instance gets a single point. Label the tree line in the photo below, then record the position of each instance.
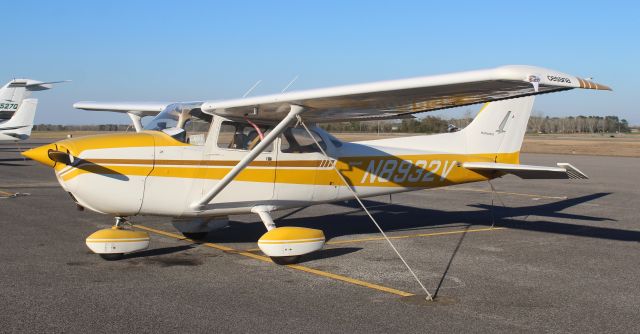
(94, 127)
(538, 123)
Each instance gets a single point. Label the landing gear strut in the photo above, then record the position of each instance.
(115, 256)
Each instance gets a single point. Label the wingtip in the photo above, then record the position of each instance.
(587, 84)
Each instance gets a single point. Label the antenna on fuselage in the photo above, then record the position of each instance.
(252, 88)
(289, 84)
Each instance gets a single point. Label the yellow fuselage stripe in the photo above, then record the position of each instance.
(412, 171)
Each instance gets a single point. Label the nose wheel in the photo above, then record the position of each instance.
(112, 257)
(285, 260)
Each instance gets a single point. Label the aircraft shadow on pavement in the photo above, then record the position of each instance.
(12, 162)
(398, 217)
(328, 253)
(157, 252)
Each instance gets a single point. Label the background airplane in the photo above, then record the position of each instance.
(17, 110)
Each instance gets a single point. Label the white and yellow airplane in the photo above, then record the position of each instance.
(17, 110)
(199, 162)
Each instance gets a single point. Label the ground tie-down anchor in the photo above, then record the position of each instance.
(429, 297)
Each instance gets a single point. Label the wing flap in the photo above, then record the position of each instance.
(562, 171)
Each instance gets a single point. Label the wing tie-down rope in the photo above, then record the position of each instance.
(494, 193)
(355, 195)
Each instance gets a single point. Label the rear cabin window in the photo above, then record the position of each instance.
(240, 136)
(297, 140)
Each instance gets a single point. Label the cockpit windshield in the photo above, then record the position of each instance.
(183, 121)
(167, 119)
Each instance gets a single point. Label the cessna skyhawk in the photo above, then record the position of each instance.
(199, 162)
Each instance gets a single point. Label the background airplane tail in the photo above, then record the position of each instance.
(15, 91)
(20, 125)
(499, 129)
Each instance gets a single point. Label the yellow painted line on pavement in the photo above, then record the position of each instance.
(421, 235)
(407, 236)
(502, 192)
(4, 193)
(292, 266)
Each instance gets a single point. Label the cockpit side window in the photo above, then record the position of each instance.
(297, 140)
(241, 136)
(197, 127)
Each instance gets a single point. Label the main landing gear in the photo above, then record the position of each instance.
(112, 243)
(286, 245)
(199, 228)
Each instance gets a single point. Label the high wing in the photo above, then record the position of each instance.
(563, 171)
(400, 98)
(140, 109)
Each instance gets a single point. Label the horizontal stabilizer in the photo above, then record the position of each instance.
(563, 171)
(33, 85)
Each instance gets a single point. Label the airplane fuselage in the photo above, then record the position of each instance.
(151, 173)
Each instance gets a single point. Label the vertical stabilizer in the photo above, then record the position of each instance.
(20, 125)
(17, 111)
(499, 129)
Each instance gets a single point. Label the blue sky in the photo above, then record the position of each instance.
(191, 50)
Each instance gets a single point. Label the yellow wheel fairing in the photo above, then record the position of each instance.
(117, 241)
(291, 233)
(291, 241)
(117, 234)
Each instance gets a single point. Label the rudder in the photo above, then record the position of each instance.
(20, 125)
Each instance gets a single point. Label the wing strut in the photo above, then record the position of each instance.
(429, 297)
(294, 111)
(135, 118)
